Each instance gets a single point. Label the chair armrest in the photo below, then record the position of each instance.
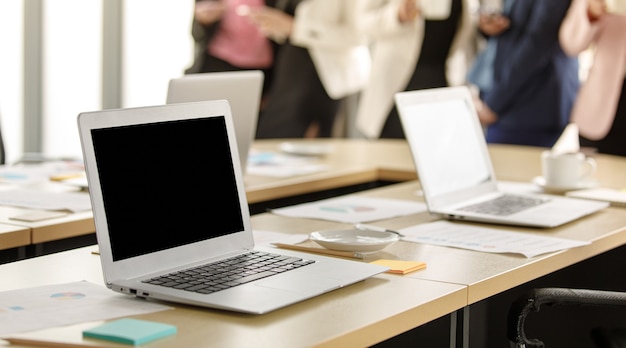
(553, 296)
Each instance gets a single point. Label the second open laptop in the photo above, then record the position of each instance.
(450, 153)
(171, 214)
(242, 89)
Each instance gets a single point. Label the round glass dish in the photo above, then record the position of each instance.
(354, 239)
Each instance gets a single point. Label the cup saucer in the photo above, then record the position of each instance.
(585, 184)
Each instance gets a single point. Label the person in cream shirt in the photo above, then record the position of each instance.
(415, 44)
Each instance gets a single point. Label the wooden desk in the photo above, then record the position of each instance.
(355, 316)
(385, 305)
(488, 274)
(353, 162)
(71, 225)
(13, 236)
(485, 274)
(522, 163)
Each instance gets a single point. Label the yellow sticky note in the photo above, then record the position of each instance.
(400, 266)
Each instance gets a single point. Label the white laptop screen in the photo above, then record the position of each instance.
(147, 172)
(451, 158)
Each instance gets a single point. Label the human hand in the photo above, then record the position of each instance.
(208, 11)
(493, 24)
(273, 23)
(408, 11)
(595, 9)
(485, 114)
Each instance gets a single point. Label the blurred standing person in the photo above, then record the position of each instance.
(226, 40)
(600, 107)
(322, 59)
(531, 84)
(416, 44)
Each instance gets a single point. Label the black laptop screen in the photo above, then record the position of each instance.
(166, 184)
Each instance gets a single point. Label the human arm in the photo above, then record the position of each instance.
(578, 29)
(527, 49)
(380, 19)
(207, 14)
(485, 114)
(597, 100)
(408, 11)
(273, 23)
(325, 24)
(493, 24)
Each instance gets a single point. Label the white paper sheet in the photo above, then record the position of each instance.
(353, 209)
(268, 237)
(64, 304)
(29, 174)
(45, 200)
(280, 166)
(492, 240)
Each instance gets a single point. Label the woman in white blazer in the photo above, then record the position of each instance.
(323, 60)
(402, 49)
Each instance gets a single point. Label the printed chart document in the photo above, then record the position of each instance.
(63, 304)
(491, 240)
(353, 209)
(277, 165)
(262, 237)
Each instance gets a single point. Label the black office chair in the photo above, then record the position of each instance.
(532, 302)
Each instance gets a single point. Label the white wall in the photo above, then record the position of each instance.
(11, 59)
(158, 46)
(72, 50)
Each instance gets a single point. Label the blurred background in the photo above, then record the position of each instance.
(62, 57)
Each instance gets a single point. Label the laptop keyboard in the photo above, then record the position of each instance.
(230, 272)
(504, 205)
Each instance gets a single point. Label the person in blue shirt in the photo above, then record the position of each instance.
(527, 97)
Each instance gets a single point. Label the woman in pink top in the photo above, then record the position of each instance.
(600, 107)
(226, 40)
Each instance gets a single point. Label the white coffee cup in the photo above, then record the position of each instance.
(566, 169)
(435, 9)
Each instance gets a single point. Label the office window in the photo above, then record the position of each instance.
(156, 45)
(11, 85)
(72, 47)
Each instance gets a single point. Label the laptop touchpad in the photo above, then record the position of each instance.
(301, 283)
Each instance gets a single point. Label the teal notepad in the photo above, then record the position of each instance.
(131, 331)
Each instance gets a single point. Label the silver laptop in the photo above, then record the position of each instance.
(170, 211)
(455, 171)
(242, 89)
